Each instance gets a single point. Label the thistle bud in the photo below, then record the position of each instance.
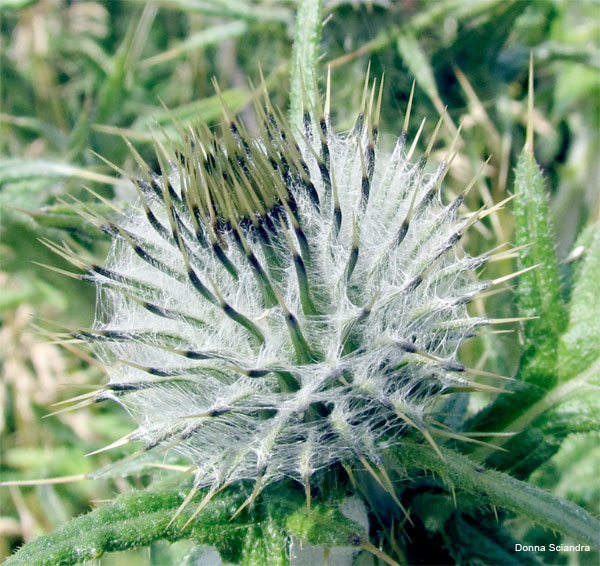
(280, 302)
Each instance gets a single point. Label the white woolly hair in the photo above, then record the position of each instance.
(278, 303)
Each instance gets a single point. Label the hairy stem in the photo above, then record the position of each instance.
(133, 520)
(502, 490)
(304, 57)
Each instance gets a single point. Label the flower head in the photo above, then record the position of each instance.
(281, 302)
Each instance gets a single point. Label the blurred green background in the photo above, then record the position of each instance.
(77, 76)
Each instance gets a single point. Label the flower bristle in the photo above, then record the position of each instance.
(281, 302)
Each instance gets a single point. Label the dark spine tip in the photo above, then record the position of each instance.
(402, 232)
(407, 347)
(154, 309)
(352, 260)
(452, 365)
(200, 287)
(193, 355)
(158, 372)
(257, 372)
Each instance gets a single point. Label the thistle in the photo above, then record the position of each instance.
(280, 303)
(281, 313)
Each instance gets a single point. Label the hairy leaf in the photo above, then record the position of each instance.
(324, 525)
(134, 520)
(580, 345)
(538, 290)
(502, 490)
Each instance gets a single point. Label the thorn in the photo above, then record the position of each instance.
(392, 492)
(487, 374)
(371, 471)
(378, 105)
(484, 293)
(77, 398)
(507, 254)
(512, 276)
(363, 103)
(103, 200)
(328, 93)
(455, 140)
(170, 467)
(508, 320)
(183, 505)
(140, 161)
(77, 276)
(486, 212)
(475, 387)
(415, 141)
(251, 499)
(205, 501)
(408, 108)
(307, 494)
(464, 438)
(366, 545)
(434, 136)
(485, 331)
(529, 132)
(113, 166)
(350, 473)
(370, 108)
(71, 408)
(575, 254)
(47, 481)
(476, 177)
(447, 163)
(422, 430)
(121, 442)
(263, 315)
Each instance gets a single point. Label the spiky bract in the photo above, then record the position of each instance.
(280, 302)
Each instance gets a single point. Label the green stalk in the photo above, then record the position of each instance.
(501, 490)
(134, 520)
(305, 58)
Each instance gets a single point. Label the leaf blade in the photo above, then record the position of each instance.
(538, 291)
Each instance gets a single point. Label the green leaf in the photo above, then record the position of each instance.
(573, 405)
(538, 295)
(134, 520)
(14, 170)
(571, 473)
(417, 62)
(265, 544)
(538, 291)
(568, 408)
(233, 9)
(501, 490)
(208, 109)
(420, 67)
(275, 541)
(63, 217)
(324, 525)
(580, 345)
(209, 36)
(469, 545)
(16, 4)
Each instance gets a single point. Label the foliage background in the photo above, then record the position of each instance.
(77, 76)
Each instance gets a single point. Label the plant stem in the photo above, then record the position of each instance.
(502, 490)
(133, 520)
(304, 57)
